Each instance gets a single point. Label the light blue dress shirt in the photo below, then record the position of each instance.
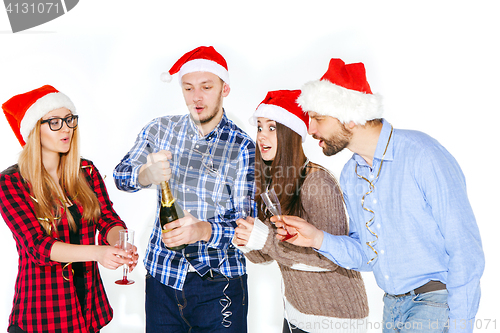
(423, 219)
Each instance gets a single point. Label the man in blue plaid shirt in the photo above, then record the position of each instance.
(209, 163)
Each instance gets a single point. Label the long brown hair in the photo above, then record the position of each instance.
(286, 173)
(49, 206)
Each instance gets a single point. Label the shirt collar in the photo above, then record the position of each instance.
(214, 133)
(385, 133)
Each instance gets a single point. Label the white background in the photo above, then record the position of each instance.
(436, 63)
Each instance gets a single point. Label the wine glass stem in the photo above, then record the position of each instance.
(125, 272)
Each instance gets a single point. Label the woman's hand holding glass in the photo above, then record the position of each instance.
(112, 257)
(126, 244)
(274, 207)
(245, 226)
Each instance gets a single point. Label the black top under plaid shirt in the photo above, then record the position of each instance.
(212, 178)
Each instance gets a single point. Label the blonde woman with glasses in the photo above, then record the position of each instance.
(54, 203)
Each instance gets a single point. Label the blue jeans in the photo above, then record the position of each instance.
(15, 329)
(199, 307)
(419, 313)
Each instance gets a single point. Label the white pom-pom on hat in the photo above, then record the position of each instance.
(166, 77)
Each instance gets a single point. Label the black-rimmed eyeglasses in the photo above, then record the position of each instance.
(56, 123)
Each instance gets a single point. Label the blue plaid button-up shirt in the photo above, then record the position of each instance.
(212, 178)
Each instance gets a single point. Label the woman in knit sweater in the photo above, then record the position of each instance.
(319, 296)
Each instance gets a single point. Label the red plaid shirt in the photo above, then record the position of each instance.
(44, 301)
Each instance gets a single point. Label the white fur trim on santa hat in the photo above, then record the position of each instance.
(41, 107)
(282, 116)
(328, 99)
(204, 65)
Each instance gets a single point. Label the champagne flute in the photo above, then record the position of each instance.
(274, 207)
(246, 210)
(126, 243)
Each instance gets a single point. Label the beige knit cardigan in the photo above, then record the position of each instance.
(334, 292)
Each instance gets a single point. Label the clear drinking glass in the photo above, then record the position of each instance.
(126, 243)
(246, 210)
(273, 206)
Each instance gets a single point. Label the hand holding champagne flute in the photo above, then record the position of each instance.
(245, 225)
(274, 207)
(126, 243)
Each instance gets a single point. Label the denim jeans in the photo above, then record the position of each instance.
(419, 313)
(15, 329)
(200, 307)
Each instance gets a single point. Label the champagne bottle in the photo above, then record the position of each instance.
(170, 210)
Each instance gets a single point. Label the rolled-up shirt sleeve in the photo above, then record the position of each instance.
(19, 215)
(126, 173)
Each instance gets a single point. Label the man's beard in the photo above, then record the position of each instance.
(336, 143)
(212, 114)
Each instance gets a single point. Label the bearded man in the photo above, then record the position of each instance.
(410, 220)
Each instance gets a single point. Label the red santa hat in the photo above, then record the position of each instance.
(24, 110)
(281, 106)
(343, 93)
(201, 59)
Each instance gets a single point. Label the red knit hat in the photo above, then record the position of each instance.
(23, 111)
(343, 93)
(201, 59)
(281, 106)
